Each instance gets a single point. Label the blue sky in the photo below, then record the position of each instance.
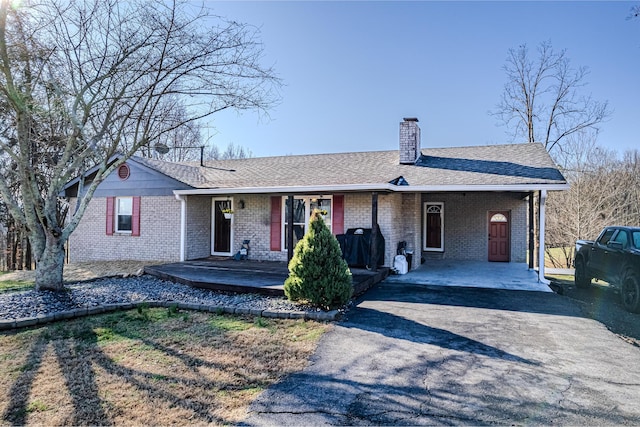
(353, 70)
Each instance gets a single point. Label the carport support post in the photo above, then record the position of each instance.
(373, 254)
(543, 200)
(290, 231)
(532, 234)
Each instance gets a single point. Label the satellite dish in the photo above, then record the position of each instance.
(161, 148)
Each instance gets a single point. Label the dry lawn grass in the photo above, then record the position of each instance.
(78, 271)
(147, 366)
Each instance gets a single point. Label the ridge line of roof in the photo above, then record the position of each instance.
(195, 163)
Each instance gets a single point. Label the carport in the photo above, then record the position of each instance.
(473, 274)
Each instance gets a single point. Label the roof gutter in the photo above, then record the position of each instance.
(481, 187)
(288, 189)
(302, 189)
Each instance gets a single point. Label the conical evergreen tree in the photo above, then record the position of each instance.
(317, 272)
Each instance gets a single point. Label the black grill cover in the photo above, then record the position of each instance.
(356, 248)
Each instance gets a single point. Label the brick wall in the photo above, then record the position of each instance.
(409, 141)
(399, 217)
(466, 226)
(159, 233)
(198, 227)
(254, 223)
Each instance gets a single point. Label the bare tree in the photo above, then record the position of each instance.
(231, 152)
(582, 211)
(605, 190)
(542, 102)
(77, 77)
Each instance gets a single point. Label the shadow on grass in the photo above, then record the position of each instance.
(78, 354)
(16, 412)
(7, 286)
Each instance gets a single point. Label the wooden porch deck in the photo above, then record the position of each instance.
(248, 276)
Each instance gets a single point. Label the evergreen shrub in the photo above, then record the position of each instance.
(317, 272)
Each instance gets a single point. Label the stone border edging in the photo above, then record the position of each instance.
(87, 311)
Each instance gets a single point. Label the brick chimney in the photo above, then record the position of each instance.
(409, 141)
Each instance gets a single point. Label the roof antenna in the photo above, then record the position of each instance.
(163, 149)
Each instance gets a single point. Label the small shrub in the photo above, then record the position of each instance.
(143, 311)
(260, 322)
(172, 310)
(317, 272)
(37, 406)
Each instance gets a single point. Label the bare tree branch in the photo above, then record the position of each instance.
(541, 101)
(83, 80)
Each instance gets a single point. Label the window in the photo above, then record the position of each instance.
(434, 227)
(124, 214)
(622, 237)
(303, 206)
(606, 236)
(499, 218)
(636, 239)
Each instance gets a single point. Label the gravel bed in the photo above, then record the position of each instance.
(104, 291)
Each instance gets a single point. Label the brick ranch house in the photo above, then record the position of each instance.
(467, 203)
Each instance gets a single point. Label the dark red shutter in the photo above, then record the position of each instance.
(110, 210)
(135, 217)
(276, 223)
(337, 216)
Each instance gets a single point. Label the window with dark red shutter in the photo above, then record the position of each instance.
(135, 217)
(337, 216)
(110, 211)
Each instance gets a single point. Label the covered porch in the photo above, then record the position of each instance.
(473, 274)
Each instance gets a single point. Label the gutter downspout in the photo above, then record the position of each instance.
(543, 200)
(183, 225)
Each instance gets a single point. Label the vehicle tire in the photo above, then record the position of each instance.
(581, 279)
(630, 292)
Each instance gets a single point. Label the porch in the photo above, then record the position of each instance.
(247, 276)
(473, 274)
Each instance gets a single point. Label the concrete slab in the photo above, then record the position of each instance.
(473, 274)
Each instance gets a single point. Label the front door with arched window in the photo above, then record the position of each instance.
(499, 245)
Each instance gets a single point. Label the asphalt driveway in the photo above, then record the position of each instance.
(419, 355)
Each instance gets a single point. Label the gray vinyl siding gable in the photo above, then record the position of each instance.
(142, 181)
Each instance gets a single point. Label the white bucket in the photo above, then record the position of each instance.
(400, 264)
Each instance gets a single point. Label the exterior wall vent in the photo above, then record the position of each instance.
(124, 172)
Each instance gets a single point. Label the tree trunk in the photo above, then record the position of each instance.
(49, 265)
(28, 262)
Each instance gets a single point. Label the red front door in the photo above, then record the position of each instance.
(499, 236)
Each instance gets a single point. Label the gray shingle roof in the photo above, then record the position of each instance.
(473, 165)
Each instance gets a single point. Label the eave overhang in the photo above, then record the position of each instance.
(390, 188)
